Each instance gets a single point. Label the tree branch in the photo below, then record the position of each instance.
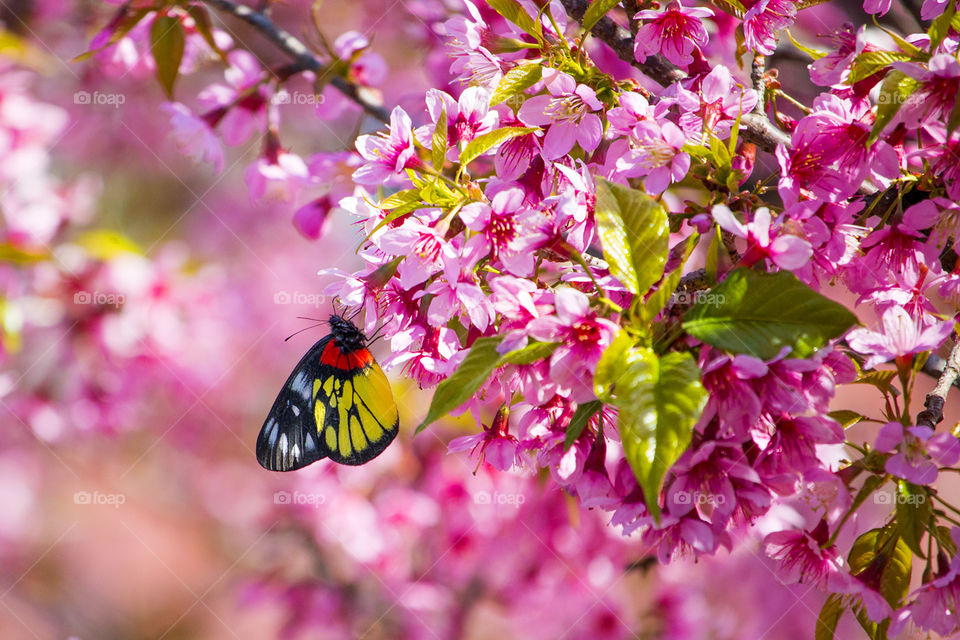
(755, 128)
(933, 412)
(302, 56)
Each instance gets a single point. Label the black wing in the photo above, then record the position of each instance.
(289, 439)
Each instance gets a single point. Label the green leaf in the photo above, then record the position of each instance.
(515, 13)
(846, 417)
(533, 352)
(879, 379)
(815, 54)
(405, 196)
(870, 62)
(579, 421)
(469, 376)
(167, 41)
(481, 144)
(634, 230)
(873, 630)
(940, 27)
(668, 286)
(516, 81)
(123, 21)
(829, 616)
(760, 313)
(612, 364)
(883, 560)
(895, 90)
(914, 511)
(659, 399)
(439, 150)
(596, 10)
(104, 244)
(12, 254)
(713, 256)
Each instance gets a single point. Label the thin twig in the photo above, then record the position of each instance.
(302, 56)
(755, 128)
(932, 415)
(757, 71)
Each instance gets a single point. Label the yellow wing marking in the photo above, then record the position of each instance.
(328, 386)
(370, 424)
(331, 436)
(343, 431)
(316, 388)
(373, 389)
(356, 435)
(319, 413)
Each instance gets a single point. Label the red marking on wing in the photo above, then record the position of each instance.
(331, 354)
(361, 359)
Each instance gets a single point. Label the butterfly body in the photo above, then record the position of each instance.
(336, 404)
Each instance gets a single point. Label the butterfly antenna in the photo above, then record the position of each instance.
(313, 326)
(376, 335)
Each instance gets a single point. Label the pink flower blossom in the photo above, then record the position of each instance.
(656, 151)
(313, 218)
(785, 251)
(387, 154)
(278, 178)
(899, 335)
(803, 557)
(763, 20)
(917, 451)
(568, 113)
(467, 117)
(510, 232)
(194, 135)
(583, 336)
(673, 32)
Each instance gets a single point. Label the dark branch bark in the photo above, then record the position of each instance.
(932, 415)
(755, 128)
(301, 55)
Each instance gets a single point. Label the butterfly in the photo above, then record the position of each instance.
(336, 404)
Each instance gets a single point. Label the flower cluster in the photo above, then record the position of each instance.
(588, 255)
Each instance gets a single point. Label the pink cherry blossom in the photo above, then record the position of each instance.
(673, 32)
(785, 251)
(917, 451)
(763, 20)
(388, 154)
(194, 135)
(583, 336)
(568, 112)
(899, 335)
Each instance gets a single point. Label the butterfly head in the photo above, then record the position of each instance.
(347, 335)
